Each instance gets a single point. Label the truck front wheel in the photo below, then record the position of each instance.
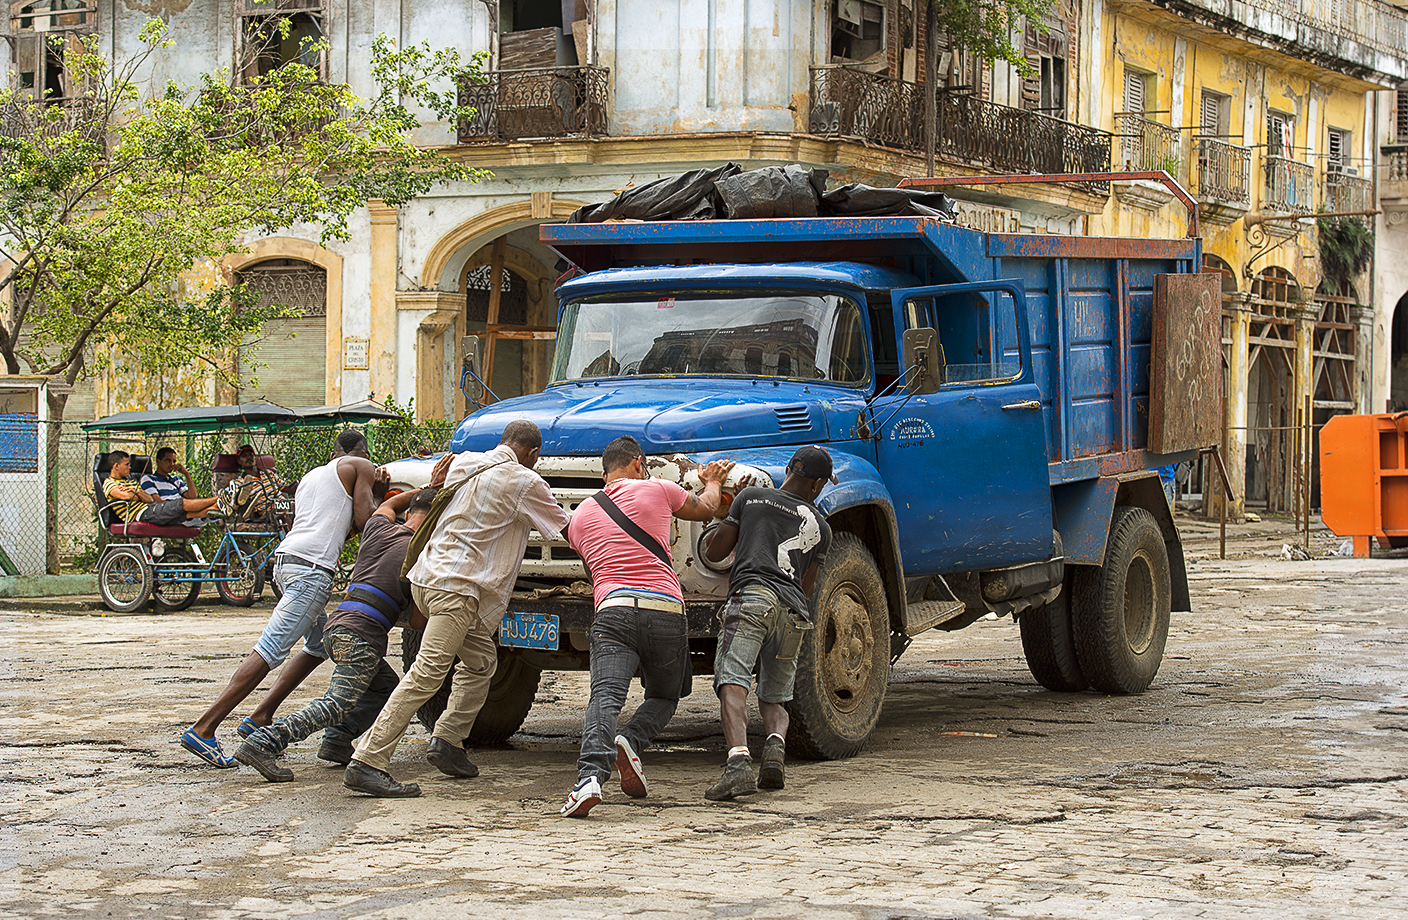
(1120, 610)
(844, 664)
(510, 696)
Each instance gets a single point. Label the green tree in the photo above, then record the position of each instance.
(108, 198)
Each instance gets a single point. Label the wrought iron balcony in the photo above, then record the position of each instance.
(1224, 172)
(1346, 193)
(1142, 145)
(22, 118)
(1290, 185)
(970, 131)
(540, 102)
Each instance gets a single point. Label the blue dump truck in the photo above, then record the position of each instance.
(997, 406)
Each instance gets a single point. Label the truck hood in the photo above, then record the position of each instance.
(682, 415)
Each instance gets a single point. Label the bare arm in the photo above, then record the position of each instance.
(188, 479)
(721, 542)
(129, 494)
(367, 484)
(809, 580)
(395, 505)
(703, 507)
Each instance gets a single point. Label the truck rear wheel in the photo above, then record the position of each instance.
(511, 693)
(1050, 647)
(844, 664)
(1120, 610)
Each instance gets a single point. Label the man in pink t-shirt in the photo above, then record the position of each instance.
(640, 622)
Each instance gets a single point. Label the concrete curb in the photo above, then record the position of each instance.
(48, 585)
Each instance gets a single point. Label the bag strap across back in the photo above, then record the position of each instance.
(631, 528)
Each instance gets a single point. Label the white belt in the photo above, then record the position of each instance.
(641, 603)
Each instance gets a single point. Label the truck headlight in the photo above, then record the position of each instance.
(711, 565)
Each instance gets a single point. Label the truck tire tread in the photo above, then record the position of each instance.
(1049, 645)
(1121, 627)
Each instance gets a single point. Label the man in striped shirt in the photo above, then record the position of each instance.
(462, 582)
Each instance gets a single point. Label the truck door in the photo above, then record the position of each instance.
(965, 462)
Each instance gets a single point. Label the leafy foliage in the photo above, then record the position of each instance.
(108, 200)
(1346, 249)
(989, 28)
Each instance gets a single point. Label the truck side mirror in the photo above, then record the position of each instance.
(923, 361)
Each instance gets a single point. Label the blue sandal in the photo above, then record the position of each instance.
(247, 727)
(207, 749)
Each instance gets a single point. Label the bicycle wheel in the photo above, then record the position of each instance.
(124, 580)
(172, 594)
(242, 581)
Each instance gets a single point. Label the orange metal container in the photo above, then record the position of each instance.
(1364, 479)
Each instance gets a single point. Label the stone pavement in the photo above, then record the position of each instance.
(1264, 775)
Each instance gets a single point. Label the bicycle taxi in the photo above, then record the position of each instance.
(164, 565)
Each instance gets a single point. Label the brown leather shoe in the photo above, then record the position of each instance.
(362, 778)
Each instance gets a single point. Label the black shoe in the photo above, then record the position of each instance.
(264, 762)
(379, 783)
(772, 774)
(335, 749)
(449, 759)
(736, 780)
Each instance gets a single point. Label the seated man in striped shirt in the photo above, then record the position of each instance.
(170, 481)
(130, 503)
(355, 639)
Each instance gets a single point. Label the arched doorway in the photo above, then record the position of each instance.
(518, 363)
(286, 364)
(1398, 355)
(1271, 410)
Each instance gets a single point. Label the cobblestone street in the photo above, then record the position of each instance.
(1265, 774)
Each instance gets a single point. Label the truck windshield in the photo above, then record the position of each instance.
(805, 336)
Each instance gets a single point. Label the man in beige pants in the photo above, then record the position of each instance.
(462, 582)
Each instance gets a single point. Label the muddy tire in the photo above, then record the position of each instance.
(175, 595)
(1050, 647)
(248, 583)
(511, 694)
(844, 664)
(1120, 610)
(124, 580)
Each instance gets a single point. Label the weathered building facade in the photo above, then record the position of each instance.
(1267, 113)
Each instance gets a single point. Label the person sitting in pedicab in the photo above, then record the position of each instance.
(170, 480)
(250, 496)
(130, 503)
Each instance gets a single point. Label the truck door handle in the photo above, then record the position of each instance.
(1024, 404)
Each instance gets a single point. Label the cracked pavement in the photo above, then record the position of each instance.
(1263, 775)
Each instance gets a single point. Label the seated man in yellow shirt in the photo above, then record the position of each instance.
(130, 503)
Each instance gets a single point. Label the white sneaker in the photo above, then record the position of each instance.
(582, 799)
(632, 773)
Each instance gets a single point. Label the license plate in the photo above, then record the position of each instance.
(529, 630)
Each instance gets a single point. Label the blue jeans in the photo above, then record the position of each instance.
(624, 639)
(299, 613)
(360, 684)
(759, 633)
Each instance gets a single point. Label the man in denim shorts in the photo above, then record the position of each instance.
(778, 538)
(330, 500)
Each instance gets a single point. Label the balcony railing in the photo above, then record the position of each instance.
(971, 131)
(540, 102)
(1395, 162)
(1224, 171)
(22, 118)
(1142, 144)
(1290, 185)
(1346, 193)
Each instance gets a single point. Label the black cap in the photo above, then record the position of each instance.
(812, 463)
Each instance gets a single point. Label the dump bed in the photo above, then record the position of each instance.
(1090, 305)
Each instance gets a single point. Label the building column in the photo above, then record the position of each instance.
(1234, 446)
(1363, 318)
(1306, 317)
(434, 334)
(382, 300)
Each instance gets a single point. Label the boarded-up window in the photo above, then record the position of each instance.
(1136, 91)
(1213, 115)
(45, 33)
(289, 359)
(1045, 91)
(1337, 153)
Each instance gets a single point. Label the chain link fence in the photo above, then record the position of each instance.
(48, 515)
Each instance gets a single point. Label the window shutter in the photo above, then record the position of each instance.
(1336, 146)
(27, 65)
(1212, 114)
(1031, 87)
(1403, 115)
(1133, 91)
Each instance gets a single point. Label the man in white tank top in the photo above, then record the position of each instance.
(330, 501)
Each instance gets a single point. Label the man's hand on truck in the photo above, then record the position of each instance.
(702, 507)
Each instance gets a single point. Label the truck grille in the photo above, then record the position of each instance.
(573, 480)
